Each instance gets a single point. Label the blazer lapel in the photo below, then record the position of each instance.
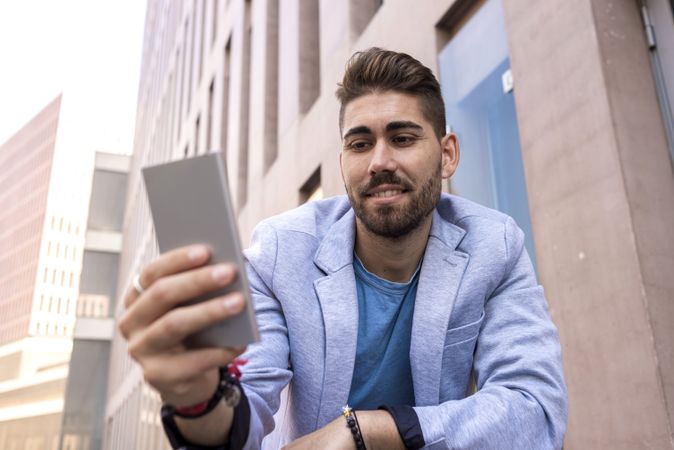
(339, 306)
(441, 273)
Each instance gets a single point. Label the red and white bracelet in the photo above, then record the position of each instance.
(228, 390)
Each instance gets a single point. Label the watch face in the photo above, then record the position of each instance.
(232, 395)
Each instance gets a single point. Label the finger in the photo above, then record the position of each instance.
(173, 327)
(172, 291)
(169, 263)
(132, 293)
(130, 296)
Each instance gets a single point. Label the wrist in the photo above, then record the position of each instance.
(379, 431)
(213, 424)
(228, 390)
(354, 427)
(193, 392)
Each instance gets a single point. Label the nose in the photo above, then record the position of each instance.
(383, 158)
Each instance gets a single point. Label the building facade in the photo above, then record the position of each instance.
(44, 191)
(563, 109)
(86, 387)
(41, 239)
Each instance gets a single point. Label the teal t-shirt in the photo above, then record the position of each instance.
(382, 374)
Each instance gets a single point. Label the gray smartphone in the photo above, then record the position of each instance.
(190, 204)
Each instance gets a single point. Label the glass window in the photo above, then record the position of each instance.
(108, 197)
(478, 92)
(311, 190)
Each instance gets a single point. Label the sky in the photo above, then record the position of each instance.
(88, 49)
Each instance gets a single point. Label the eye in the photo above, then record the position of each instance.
(359, 145)
(403, 140)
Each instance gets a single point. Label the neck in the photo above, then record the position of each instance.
(392, 259)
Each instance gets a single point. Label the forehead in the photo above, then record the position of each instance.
(376, 110)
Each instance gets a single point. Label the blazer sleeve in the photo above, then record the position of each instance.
(521, 398)
(267, 371)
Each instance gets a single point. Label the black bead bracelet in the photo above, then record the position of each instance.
(352, 422)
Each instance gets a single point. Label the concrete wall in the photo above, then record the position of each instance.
(601, 193)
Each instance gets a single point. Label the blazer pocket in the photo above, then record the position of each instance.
(457, 360)
(464, 333)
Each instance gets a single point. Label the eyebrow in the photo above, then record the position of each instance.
(391, 126)
(357, 130)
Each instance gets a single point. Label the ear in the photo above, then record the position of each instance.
(450, 154)
(341, 167)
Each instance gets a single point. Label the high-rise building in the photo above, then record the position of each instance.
(45, 185)
(38, 269)
(563, 109)
(41, 237)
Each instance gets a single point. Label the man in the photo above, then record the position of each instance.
(391, 301)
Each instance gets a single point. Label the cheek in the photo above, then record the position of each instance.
(420, 167)
(352, 171)
(432, 164)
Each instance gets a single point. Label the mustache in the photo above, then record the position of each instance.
(385, 178)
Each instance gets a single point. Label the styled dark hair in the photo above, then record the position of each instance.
(376, 70)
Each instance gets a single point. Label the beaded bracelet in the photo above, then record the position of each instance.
(352, 422)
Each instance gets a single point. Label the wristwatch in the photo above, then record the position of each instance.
(229, 390)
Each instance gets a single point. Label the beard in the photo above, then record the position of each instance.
(393, 222)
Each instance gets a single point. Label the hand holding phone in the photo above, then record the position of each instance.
(156, 322)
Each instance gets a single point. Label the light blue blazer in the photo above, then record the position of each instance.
(479, 314)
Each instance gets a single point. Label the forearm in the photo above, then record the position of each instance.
(379, 430)
(211, 429)
(493, 418)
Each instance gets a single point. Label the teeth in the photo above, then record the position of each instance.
(387, 193)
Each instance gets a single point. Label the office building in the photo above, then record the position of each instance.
(563, 109)
(86, 387)
(42, 225)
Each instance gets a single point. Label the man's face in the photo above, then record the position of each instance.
(392, 162)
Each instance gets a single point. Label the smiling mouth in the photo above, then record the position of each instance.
(387, 193)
